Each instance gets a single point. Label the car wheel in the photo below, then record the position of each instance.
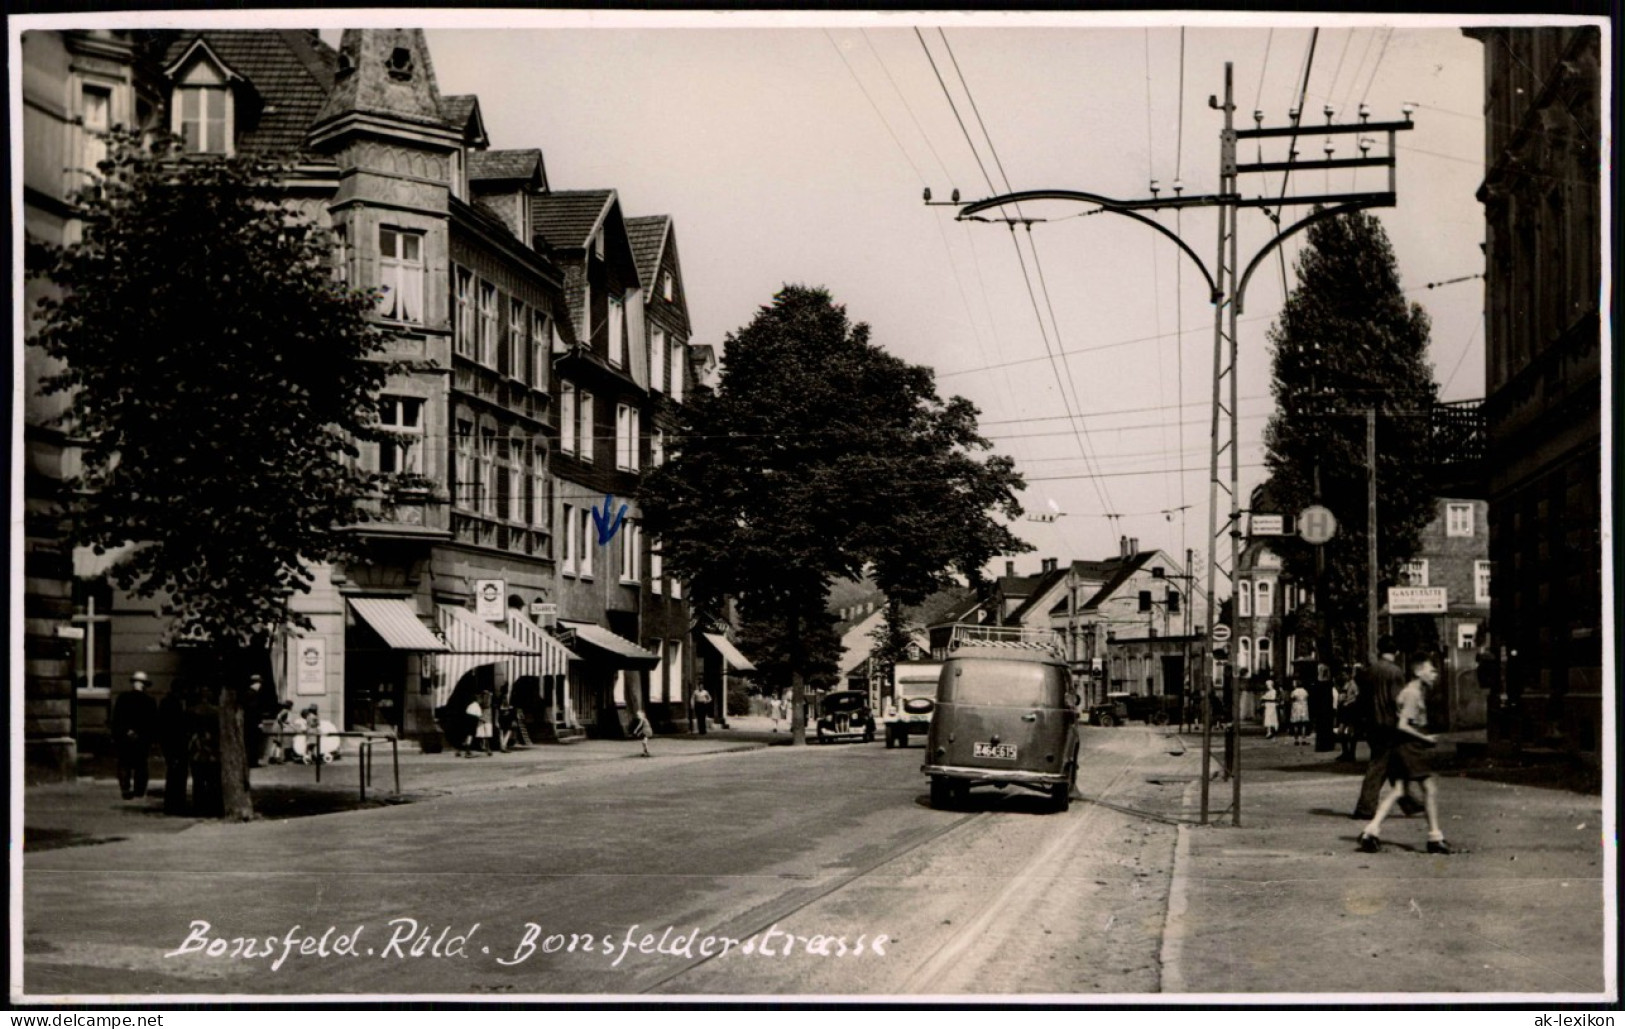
(939, 793)
(1159, 718)
(1060, 796)
(1107, 721)
(891, 739)
(961, 794)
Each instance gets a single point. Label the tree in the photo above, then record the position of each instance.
(219, 378)
(768, 645)
(817, 456)
(1346, 341)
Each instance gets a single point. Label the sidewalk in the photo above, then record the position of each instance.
(90, 810)
(1286, 904)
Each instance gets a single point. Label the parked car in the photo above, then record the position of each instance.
(915, 690)
(1120, 707)
(845, 715)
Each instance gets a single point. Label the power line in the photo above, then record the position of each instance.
(955, 108)
(907, 106)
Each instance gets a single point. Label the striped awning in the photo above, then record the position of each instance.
(474, 642)
(730, 653)
(397, 622)
(547, 655)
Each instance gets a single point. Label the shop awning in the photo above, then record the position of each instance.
(547, 655)
(622, 652)
(474, 642)
(730, 653)
(397, 622)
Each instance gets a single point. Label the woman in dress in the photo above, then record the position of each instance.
(1300, 715)
(1271, 702)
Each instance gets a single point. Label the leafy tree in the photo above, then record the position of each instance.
(819, 455)
(1346, 341)
(218, 377)
(768, 645)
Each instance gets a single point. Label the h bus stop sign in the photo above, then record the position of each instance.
(1316, 524)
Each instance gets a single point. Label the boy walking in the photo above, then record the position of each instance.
(1407, 761)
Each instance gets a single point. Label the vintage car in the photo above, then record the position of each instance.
(914, 685)
(845, 715)
(1121, 707)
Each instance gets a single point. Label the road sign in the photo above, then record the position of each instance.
(1417, 600)
(1316, 524)
(1267, 525)
(1220, 633)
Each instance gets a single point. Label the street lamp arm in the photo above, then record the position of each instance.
(1320, 214)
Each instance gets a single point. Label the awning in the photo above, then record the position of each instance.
(730, 653)
(397, 622)
(548, 656)
(474, 642)
(623, 653)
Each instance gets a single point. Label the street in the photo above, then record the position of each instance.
(818, 870)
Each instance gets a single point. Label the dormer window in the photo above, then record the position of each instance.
(202, 118)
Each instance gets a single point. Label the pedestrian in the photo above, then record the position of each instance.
(1348, 719)
(203, 753)
(174, 734)
(773, 710)
(1300, 714)
(702, 706)
(1271, 701)
(259, 705)
(133, 722)
(287, 725)
(480, 711)
(642, 730)
(1383, 682)
(1407, 761)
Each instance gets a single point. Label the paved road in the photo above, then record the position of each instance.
(621, 880)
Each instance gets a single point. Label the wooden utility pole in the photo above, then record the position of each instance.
(1371, 534)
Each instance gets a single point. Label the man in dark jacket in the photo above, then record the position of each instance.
(1383, 684)
(259, 704)
(174, 734)
(134, 719)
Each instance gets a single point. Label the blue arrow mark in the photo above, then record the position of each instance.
(607, 526)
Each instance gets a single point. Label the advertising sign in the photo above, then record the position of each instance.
(488, 596)
(1267, 525)
(1220, 633)
(1417, 600)
(310, 666)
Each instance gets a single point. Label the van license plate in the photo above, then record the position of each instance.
(1004, 751)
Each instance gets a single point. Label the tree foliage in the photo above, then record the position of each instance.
(767, 642)
(219, 378)
(820, 455)
(1347, 340)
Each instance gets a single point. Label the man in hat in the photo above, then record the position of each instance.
(259, 705)
(134, 718)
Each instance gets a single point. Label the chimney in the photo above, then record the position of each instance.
(1133, 545)
(1049, 565)
(1010, 569)
(1122, 546)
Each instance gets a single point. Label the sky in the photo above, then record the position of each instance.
(799, 154)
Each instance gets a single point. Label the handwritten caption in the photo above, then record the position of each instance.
(408, 939)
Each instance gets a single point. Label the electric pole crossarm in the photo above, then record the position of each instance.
(1323, 165)
(1299, 226)
(1325, 130)
(1384, 199)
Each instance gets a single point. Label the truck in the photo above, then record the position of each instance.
(914, 697)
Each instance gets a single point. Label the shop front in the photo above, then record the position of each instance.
(610, 679)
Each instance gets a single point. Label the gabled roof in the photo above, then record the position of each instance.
(566, 219)
(462, 113)
(513, 166)
(648, 238)
(1125, 571)
(1015, 587)
(1045, 582)
(291, 70)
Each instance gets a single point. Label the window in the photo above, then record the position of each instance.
(201, 119)
(1289, 598)
(1264, 600)
(541, 328)
(403, 417)
(584, 551)
(676, 589)
(488, 473)
(488, 325)
(631, 543)
(1458, 520)
(1291, 650)
(558, 337)
(657, 360)
(96, 115)
(400, 267)
(1244, 599)
(1414, 573)
(464, 339)
(517, 325)
(538, 486)
(567, 560)
(655, 571)
(467, 486)
(658, 686)
(501, 479)
(678, 371)
(588, 431)
(1481, 582)
(518, 472)
(626, 437)
(341, 254)
(674, 665)
(1466, 636)
(1173, 602)
(657, 448)
(665, 285)
(567, 416)
(1244, 654)
(617, 331)
(598, 244)
(1265, 657)
(1145, 600)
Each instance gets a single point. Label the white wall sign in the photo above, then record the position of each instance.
(1267, 525)
(488, 599)
(1417, 600)
(310, 666)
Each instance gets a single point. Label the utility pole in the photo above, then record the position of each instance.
(1227, 290)
(1371, 535)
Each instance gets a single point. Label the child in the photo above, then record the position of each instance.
(642, 730)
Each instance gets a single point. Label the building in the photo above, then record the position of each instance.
(483, 546)
(1543, 346)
